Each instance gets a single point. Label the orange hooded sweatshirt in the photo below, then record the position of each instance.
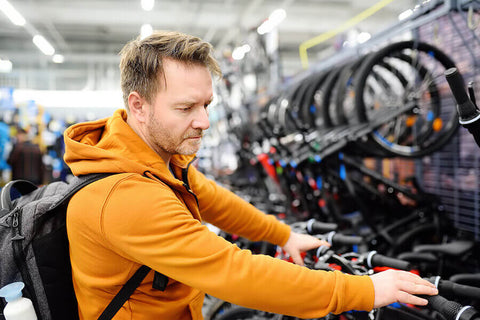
(126, 220)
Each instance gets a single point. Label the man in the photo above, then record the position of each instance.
(26, 159)
(151, 213)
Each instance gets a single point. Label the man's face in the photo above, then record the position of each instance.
(178, 114)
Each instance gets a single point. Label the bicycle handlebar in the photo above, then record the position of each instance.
(467, 110)
(373, 259)
(452, 310)
(457, 85)
(335, 238)
(450, 287)
(315, 227)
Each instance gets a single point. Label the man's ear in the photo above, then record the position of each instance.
(137, 106)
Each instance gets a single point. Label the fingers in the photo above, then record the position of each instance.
(316, 244)
(413, 284)
(411, 299)
(305, 242)
(298, 243)
(410, 288)
(297, 259)
(400, 286)
(325, 243)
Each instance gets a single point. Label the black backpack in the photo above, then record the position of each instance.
(34, 248)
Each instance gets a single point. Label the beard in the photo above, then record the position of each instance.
(166, 140)
(190, 146)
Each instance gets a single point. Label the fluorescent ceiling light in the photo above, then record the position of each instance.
(147, 5)
(58, 58)
(5, 66)
(363, 37)
(273, 21)
(12, 13)
(239, 52)
(71, 98)
(265, 27)
(43, 45)
(146, 30)
(277, 16)
(405, 14)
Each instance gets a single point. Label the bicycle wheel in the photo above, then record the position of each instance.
(298, 102)
(307, 110)
(413, 112)
(343, 97)
(288, 111)
(325, 94)
(271, 116)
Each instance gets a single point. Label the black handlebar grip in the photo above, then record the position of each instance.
(457, 85)
(467, 110)
(377, 260)
(458, 289)
(317, 227)
(337, 238)
(451, 310)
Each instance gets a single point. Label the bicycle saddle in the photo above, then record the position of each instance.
(471, 279)
(418, 257)
(455, 248)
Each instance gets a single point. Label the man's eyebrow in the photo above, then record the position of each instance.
(191, 103)
(185, 103)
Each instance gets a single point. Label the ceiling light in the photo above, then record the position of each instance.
(146, 30)
(363, 37)
(5, 66)
(265, 27)
(58, 58)
(273, 21)
(277, 16)
(43, 45)
(405, 14)
(239, 52)
(12, 13)
(147, 5)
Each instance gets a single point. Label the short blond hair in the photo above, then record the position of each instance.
(141, 63)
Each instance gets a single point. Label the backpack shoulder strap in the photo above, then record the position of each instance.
(124, 294)
(159, 282)
(21, 186)
(129, 287)
(79, 182)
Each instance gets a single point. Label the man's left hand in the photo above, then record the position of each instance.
(298, 243)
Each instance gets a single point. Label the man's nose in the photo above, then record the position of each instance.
(201, 120)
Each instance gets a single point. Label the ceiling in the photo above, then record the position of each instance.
(90, 33)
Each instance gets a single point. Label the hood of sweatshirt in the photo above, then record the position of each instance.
(110, 145)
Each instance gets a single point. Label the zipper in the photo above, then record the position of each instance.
(20, 258)
(185, 173)
(185, 180)
(16, 226)
(191, 192)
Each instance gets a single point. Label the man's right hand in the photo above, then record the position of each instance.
(400, 286)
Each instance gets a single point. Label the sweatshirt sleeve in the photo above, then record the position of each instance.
(160, 232)
(232, 214)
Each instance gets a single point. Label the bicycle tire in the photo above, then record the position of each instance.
(309, 112)
(297, 104)
(306, 109)
(326, 97)
(343, 103)
(444, 125)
